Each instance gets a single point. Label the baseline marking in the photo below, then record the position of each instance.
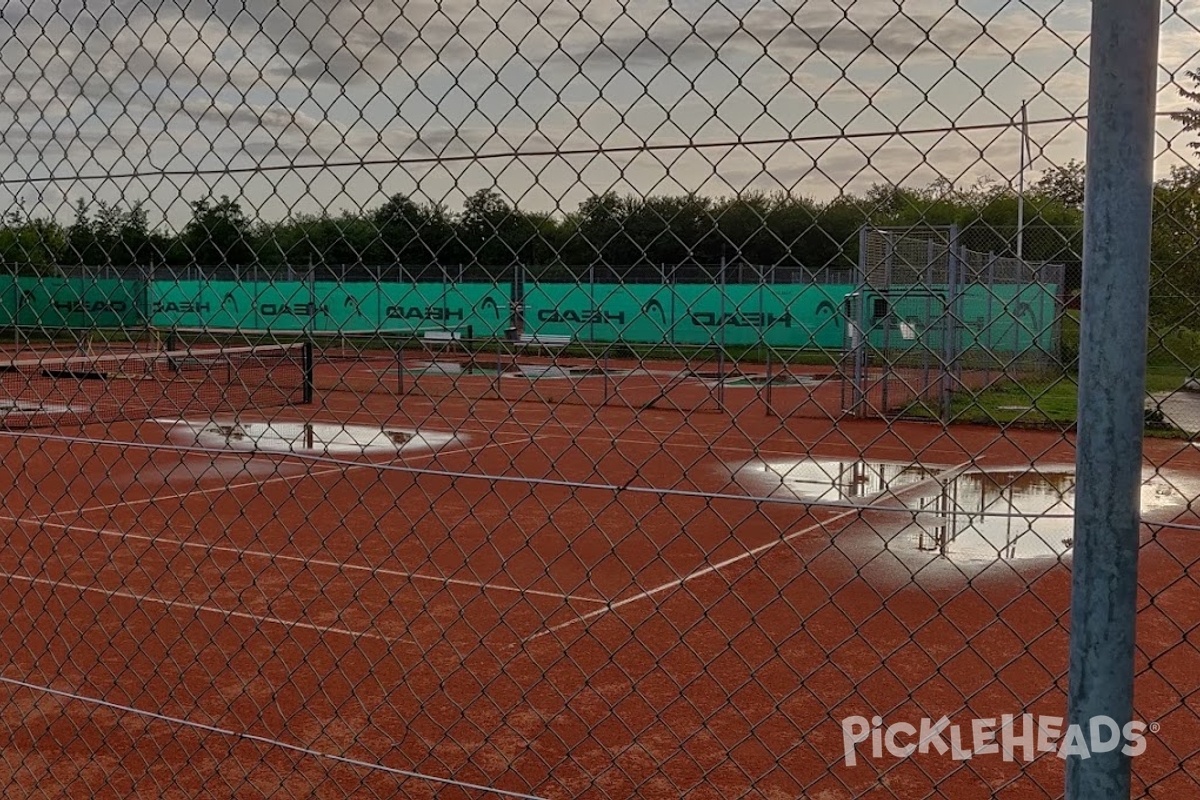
(317, 562)
(54, 584)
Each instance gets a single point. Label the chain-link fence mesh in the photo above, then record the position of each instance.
(475, 399)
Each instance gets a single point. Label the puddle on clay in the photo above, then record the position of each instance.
(301, 437)
(773, 380)
(969, 515)
(986, 516)
(526, 371)
(537, 371)
(16, 410)
(831, 480)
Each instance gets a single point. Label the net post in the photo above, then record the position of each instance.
(721, 338)
(169, 345)
(398, 349)
(307, 379)
(767, 389)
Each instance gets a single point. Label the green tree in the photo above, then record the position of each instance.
(413, 234)
(1065, 184)
(219, 233)
(112, 236)
(1175, 275)
(674, 230)
(29, 244)
(1189, 118)
(596, 235)
(486, 229)
(743, 229)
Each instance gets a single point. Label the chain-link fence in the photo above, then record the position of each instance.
(515, 399)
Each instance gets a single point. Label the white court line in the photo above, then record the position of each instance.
(710, 569)
(258, 739)
(762, 548)
(141, 598)
(317, 562)
(199, 492)
(545, 430)
(671, 444)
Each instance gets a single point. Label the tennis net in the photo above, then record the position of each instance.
(49, 390)
(383, 345)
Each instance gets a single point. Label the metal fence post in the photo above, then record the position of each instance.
(1119, 194)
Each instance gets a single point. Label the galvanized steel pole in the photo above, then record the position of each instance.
(1116, 272)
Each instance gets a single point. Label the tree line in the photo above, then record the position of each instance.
(614, 231)
(756, 228)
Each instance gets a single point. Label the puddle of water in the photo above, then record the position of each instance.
(988, 516)
(535, 371)
(832, 480)
(22, 407)
(973, 515)
(1019, 514)
(526, 371)
(435, 368)
(22, 413)
(773, 380)
(301, 437)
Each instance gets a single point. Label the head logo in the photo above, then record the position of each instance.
(825, 308)
(229, 301)
(1025, 313)
(490, 303)
(83, 306)
(654, 308)
(197, 306)
(734, 319)
(582, 316)
(285, 309)
(425, 313)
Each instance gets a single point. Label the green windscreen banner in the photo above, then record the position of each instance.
(1001, 318)
(1006, 319)
(58, 303)
(329, 306)
(801, 316)
(8, 300)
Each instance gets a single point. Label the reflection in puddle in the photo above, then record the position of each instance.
(762, 381)
(996, 515)
(509, 370)
(293, 437)
(833, 480)
(966, 515)
(989, 515)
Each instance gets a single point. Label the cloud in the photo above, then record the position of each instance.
(151, 84)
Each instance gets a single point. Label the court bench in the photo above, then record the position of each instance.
(542, 341)
(513, 344)
(437, 342)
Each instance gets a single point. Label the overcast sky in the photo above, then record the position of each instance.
(136, 85)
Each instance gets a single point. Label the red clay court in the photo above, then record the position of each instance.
(529, 593)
